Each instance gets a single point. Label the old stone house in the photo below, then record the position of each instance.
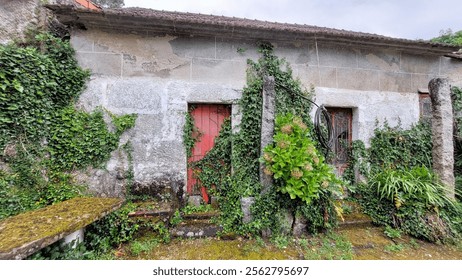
(157, 63)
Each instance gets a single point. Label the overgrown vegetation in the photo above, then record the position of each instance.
(399, 189)
(449, 37)
(44, 138)
(294, 161)
(315, 206)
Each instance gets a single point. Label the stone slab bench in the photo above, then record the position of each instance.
(26, 233)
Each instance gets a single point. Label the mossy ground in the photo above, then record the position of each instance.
(351, 243)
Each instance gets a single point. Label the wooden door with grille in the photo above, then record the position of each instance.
(208, 119)
(342, 126)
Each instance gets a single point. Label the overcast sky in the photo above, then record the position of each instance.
(411, 19)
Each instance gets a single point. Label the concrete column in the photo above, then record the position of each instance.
(442, 132)
(267, 127)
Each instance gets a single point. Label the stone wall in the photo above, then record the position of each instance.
(16, 16)
(156, 76)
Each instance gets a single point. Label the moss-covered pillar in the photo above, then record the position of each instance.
(267, 127)
(442, 132)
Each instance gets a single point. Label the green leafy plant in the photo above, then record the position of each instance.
(191, 133)
(36, 81)
(42, 136)
(402, 186)
(114, 229)
(391, 232)
(294, 160)
(243, 158)
(331, 246)
(394, 248)
(137, 247)
(412, 201)
(215, 166)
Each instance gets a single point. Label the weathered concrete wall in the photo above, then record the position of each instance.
(156, 76)
(16, 16)
(370, 107)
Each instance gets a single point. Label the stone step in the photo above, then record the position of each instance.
(200, 216)
(355, 217)
(149, 213)
(355, 221)
(195, 229)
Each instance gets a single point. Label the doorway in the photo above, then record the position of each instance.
(342, 131)
(208, 119)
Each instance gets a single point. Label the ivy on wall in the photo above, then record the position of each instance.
(243, 181)
(42, 136)
(391, 147)
(399, 189)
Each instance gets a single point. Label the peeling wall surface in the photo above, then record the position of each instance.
(157, 76)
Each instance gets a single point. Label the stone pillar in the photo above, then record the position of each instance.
(246, 204)
(267, 127)
(442, 132)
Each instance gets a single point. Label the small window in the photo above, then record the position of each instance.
(425, 106)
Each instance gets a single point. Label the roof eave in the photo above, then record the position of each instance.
(187, 24)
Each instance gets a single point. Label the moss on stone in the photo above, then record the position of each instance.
(25, 233)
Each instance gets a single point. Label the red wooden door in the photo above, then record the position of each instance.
(208, 119)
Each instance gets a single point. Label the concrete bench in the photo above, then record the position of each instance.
(26, 233)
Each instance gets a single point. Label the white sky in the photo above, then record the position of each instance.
(410, 19)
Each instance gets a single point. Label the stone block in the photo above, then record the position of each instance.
(297, 53)
(300, 226)
(80, 42)
(135, 95)
(308, 75)
(397, 82)
(422, 64)
(287, 220)
(136, 66)
(451, 69)
(92, 97)
(328, 77)
(376, 59)
(246, 205)
(229, 49)
(195, 200)
(104, 64)
(219, 71)
(420, 81)
(194, 47)
(357, 79)
(337, 56)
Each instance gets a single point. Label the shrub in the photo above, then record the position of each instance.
(294, 161)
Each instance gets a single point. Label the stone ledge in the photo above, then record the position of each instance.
(26, 233)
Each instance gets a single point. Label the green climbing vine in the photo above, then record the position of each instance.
(191, 133)
(215, 166)
(244, 157)
(399, 190)
(391, 147)
(43, 138)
